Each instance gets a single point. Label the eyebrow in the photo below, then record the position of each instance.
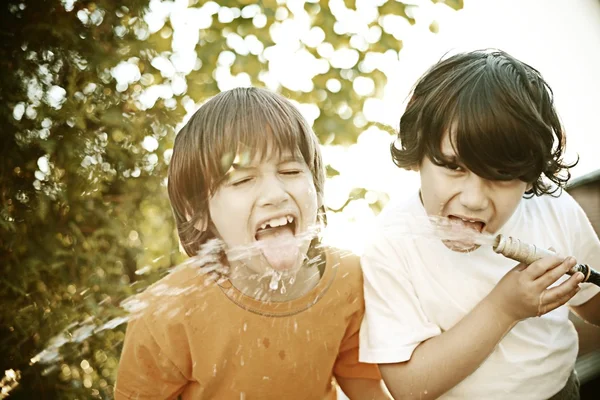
(290, 158)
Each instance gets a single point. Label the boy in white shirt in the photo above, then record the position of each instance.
(456, 320)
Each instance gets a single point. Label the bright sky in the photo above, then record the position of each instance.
(547, 34)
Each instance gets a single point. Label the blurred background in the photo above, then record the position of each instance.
(94, 93)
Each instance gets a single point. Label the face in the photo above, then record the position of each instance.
(267, 205)
(454, 192)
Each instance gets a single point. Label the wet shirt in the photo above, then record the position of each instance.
(213, 342)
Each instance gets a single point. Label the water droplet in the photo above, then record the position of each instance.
(275, 279)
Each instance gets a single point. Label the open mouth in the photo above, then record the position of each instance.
(473, 224)
(462, 233)
(277, 242)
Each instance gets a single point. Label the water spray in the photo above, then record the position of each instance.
(528, 253)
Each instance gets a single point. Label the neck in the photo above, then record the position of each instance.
(275, 286)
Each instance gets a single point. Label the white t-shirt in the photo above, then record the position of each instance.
(416, 288)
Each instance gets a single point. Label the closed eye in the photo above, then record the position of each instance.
(241, 181)
(291, 172)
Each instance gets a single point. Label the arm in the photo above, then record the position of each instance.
(357, 380)
(590, 310)
(367, 389)
(440, 363)
(443, 361)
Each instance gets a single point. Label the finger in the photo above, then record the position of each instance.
(556, 273)
(541, 266)
(545, 308)
(519, 267)
(557, 292)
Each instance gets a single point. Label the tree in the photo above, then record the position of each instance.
(93, 93)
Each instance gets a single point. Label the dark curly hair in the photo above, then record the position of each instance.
(500, 114)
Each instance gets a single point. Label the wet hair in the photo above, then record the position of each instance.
(500, 114)
(241, 122)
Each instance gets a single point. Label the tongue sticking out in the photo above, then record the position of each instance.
(279, 246)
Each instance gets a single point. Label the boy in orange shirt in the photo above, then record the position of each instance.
(247, 176)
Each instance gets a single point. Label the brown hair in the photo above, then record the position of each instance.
(241, 120)
(500, 114)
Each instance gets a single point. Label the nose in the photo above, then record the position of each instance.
(272, 191)
(474, 195)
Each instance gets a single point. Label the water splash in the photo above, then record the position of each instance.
(9, 382)
(437, 227)
(210, 263)
(275, 279)
(448, 229)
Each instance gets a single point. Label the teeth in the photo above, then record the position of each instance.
(278, 221)
(275, 222)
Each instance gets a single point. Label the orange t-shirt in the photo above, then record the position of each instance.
(212, 342)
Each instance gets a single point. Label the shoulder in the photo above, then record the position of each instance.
(558, 218)
(556, 199)
(397, 210)
(399, 220)
(561, 204)
(167, 300)
(341, 259)
(346, 265)
(396, 230)
(346, 290)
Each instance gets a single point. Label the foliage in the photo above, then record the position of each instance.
(84, 218)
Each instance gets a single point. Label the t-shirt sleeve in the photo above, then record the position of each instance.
(347, 364)
(394, 323)
(145, 371)
(587, 250)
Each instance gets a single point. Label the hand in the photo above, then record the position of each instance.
(523, 292)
